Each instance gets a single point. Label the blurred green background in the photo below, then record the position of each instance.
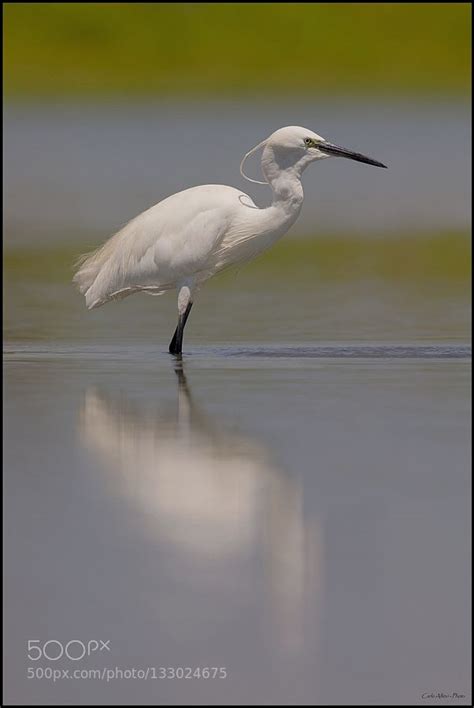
(111, 107)
(101, 49)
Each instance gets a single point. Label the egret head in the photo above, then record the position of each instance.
(294, 147)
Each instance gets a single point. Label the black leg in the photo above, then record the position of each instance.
(176, 344)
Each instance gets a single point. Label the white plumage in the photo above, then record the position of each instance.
(187, 238)
(178, 239)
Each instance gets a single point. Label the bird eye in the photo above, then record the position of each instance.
(308, 141)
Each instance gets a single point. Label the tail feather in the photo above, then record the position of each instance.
(97, 275)
(100, 277)
(88, 268)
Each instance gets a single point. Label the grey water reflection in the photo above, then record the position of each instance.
(213, 498)
(301, 521)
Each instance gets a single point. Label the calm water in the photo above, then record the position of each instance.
(291, 504)
(73, 167)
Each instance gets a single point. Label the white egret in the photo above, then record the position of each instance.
(190, 236)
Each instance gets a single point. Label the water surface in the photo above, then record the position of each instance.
(292, 502)
(72, 168)
(300, 520)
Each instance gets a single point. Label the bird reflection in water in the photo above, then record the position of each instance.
(214, 498)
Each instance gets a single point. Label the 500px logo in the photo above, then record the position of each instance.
(75, 650)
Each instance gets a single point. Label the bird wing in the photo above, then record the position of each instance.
(158, 249)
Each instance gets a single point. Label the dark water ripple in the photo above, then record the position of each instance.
(33, 351)
(359, 351)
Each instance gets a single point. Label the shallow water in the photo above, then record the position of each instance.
(290, 504)
(297, 517)
(247, 306)
(73, 167)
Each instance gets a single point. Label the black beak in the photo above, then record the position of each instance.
(337, 151)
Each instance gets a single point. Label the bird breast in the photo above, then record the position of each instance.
(252, 231)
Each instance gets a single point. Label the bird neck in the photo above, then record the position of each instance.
(287, 191)
(283, 172)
